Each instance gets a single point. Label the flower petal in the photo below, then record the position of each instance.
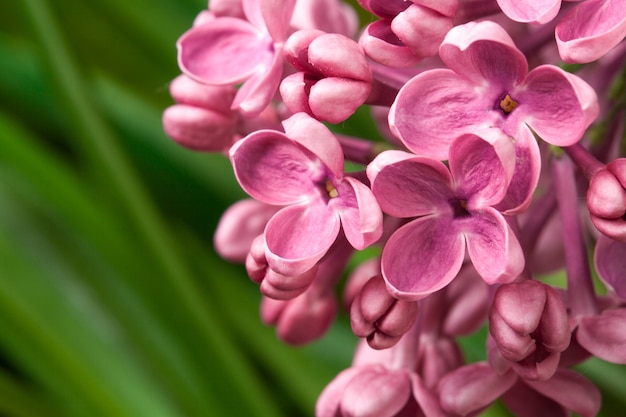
(276, 170)
(530, 11)
(557, 105)
(318, 139)
(604, 335)
(492, 246)
(471, 388)
(376, 393)
(572, 391)
(610, 261)
(435, 107)
(484, 53)
(277, 15)
(361, 217)
(422, 257)
(257, 92)
(590, 30)
(406, 185)
(225, 50)
(297, 237)
(482, 168)
(525, 175)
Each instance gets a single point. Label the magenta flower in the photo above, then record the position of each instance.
(488, 85)
(302, 169)
(380, 383)
(454, 208)
(227, 51)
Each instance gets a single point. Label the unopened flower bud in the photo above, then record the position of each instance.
(529, 324)
(302, 319)
(333, 77)
(606, 199)
(379, 317)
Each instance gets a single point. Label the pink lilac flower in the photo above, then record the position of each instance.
(227, 51)
(488, 85)
(302, 169)
(380, 383)
(454, 208)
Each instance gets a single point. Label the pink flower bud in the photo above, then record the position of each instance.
(333, 77)
(606, 199)
(273, 284)
(202, 118)
(302, 319)
(529, 324)
(379, 317)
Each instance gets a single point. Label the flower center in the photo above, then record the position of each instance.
(459, 207)
(507, 104)
(330, 189)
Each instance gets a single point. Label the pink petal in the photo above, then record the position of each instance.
(330, 16)
(555, 104)
(215, 97)
(318, 139)
(437, 106)
(421, 29)
(257, 92)
(483, 52)
(276, 170)
(376, 393)
(523, 401)
(471, 388)
(277, 15)
(339, 56)
(605, 335)
(361, 217)
(590, 30)
(492, 246)
(335, 99)
(223, 51)
(198, 128)
(525, 175)
(530, 11)
(239, 225)
(328, 402)
(610, 261)
(572, 391)
(422, 257)
(406, 185)
(383, 46)
(297, 237)
(482, 169)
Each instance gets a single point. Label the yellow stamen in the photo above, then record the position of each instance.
(507, 104)
(330, 189)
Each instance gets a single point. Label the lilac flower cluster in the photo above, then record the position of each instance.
(498, 117)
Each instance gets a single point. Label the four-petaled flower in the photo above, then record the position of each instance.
(303, 170)
(453, 207)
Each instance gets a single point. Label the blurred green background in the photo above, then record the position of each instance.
(112, 300)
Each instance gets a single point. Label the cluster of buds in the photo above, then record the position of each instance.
(491, 140)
